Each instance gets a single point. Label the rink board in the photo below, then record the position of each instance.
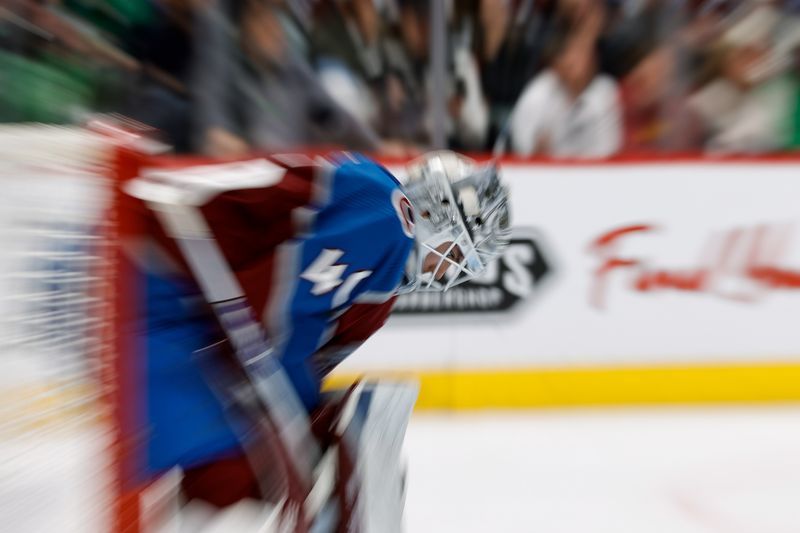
(666, 281)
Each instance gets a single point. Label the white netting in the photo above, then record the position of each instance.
(54, 329)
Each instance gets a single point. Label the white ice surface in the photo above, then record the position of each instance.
(726, 470)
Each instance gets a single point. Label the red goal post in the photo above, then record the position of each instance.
(66, 383)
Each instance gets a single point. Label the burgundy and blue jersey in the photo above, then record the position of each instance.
(319, 250)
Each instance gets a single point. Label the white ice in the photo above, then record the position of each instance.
(670, 470)
(721, 470)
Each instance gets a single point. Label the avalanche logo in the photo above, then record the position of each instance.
(404, 212)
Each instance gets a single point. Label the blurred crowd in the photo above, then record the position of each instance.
(552, 78)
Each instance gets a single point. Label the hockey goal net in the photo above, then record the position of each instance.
(60, 440)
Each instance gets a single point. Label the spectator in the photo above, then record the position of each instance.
(468, 112)
(258, 93)
(54, 67)
(403, 109)
(372, 62)
(346, 47)
(510, 43)
(633, 29)
(793, 78)
(164, 47)
(743, 109)
(569, 110)
(656, 115)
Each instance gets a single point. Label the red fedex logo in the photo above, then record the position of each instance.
(739, 264)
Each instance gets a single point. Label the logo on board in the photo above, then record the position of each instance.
(508, 281)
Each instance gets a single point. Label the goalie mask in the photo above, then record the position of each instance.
(462, 219)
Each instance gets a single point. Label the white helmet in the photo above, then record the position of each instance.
(462, 218)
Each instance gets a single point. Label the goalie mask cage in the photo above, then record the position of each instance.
(64, 408)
